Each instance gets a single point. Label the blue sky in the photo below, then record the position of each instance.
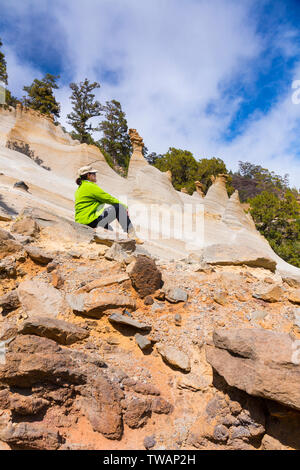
(210, 76)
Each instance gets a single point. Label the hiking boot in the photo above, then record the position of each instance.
(138, 241)
(132, 234)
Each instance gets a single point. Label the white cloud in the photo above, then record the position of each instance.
(172, 59)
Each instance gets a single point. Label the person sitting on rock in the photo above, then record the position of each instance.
(90, 201)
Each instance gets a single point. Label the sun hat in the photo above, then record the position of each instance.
(84, 170)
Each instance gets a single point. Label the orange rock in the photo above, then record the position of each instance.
(294, 296)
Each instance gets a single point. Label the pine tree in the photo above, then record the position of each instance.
(41, 97)
(11, 100)
(183, 167)
(277, 217)
(3, 77)
(3, 71)
(115, 141)
(152, 157)
(251, 180)
(84, 108)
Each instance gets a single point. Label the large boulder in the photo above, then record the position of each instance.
(231, 419)
(95, 303)
(121, 251)
(117, 278)
(8, 330)
(30, 436)
(137, 413)
(270, 294)
(127, 321)
(5, 216)
(38, 255)
(59, 228)
(175, 294)
(39, 298)
(174, 357)
(145, 276)
(109, 237)
(237, 255)
(101, 405)
(31, 360)
(26, 405)
(260, 362)
(25, 226)
(291, 280)
(9, 301)
(8, 268)
(59, 330)
(294, 296)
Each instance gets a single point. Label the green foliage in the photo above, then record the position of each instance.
(40, 95)
(186, 170)
(91, 141)
(145, 151)
(212, 166)
(183, 167)
(251, 180)
(152, 157)
(87, 140)
(115, 141)
(84, 108)
(3, 71)
(11, 100)
(278, 219)
(107, 157)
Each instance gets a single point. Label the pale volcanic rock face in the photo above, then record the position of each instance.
(34, 150)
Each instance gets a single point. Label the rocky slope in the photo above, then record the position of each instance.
(181, 343)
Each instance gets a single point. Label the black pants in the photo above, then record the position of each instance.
(115, 211)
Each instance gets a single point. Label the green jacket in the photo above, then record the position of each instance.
(90, 200)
